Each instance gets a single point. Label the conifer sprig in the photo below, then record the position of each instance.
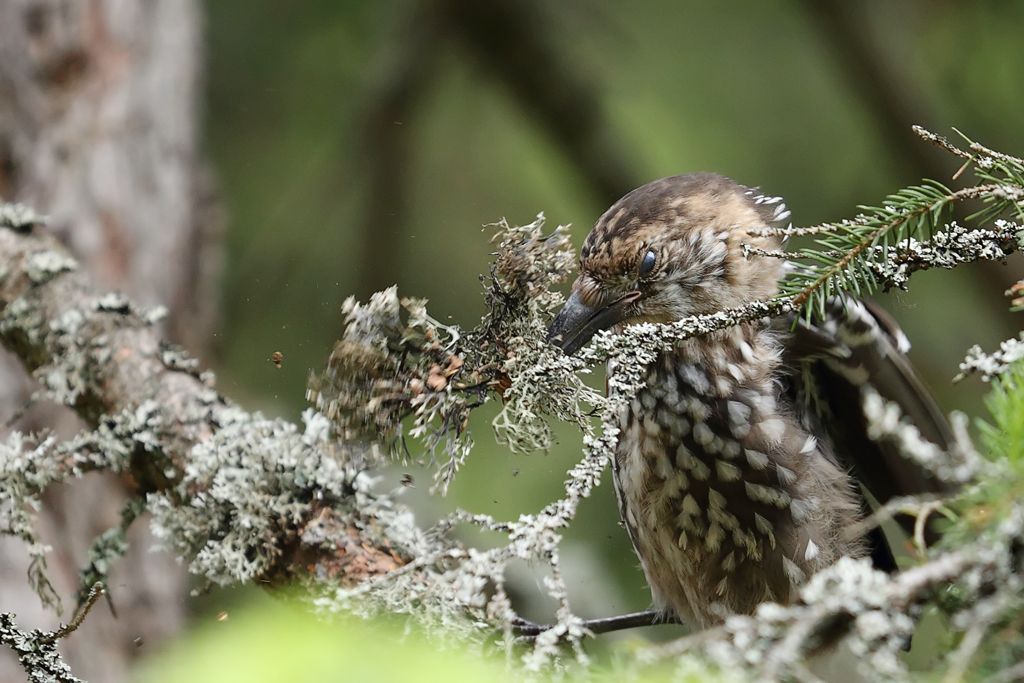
(841, 254)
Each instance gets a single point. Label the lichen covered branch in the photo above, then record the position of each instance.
(36, 652)
(244, 498)
(209, 469)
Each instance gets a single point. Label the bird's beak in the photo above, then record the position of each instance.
(577, 322)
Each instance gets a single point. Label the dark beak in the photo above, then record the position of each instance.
(576, 323)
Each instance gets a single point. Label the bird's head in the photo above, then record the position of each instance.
(667, 250)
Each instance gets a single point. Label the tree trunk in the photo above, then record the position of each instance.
(99, 131)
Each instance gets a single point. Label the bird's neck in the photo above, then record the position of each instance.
(745, 356)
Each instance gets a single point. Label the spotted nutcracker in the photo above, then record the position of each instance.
(739, 465)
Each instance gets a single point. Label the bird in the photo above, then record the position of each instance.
(742, 463)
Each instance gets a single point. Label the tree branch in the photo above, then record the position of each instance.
(103, 358)
(36, 652)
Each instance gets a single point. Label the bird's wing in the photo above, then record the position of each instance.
(831, 360)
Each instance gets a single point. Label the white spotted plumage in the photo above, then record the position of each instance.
(752, 478)
(727, 483)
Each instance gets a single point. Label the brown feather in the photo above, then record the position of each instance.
(727, 482)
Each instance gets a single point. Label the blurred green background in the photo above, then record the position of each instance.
(364, 143)
(280, 642)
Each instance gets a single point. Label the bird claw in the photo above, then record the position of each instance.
(528, 629)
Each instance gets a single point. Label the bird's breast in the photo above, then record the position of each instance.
(713, 482)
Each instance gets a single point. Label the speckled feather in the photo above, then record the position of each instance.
(725, 474)
(728, 500)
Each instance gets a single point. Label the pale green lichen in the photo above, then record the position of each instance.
(247, 490)
(107, 548)
(43, 266)
(505, 355)
(28, 465)
(543, 384)
(394, 361)
(19, 217)
(36, 652)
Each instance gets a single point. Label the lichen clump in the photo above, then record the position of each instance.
(395, 362)
(249, 487)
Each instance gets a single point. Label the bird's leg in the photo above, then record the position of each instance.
(650, 617)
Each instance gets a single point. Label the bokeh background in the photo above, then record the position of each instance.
(357, 144)
(364, 144)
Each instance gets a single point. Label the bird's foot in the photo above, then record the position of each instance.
(528, 629)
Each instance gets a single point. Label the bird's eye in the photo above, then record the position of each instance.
(647, 264)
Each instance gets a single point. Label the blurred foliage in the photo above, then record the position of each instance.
(1003, 437)
(276, 642)
(753, 90)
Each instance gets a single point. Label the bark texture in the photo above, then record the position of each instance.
(99, 130)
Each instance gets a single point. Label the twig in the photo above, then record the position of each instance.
(36, 652)
(83, 610)
(969, 644)
(890, 97)
(941, 142)
(904, 505)
(873, 237)
(523, 627)
(122, 378)
(791, 647)
(921, 524)
(19, 413)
